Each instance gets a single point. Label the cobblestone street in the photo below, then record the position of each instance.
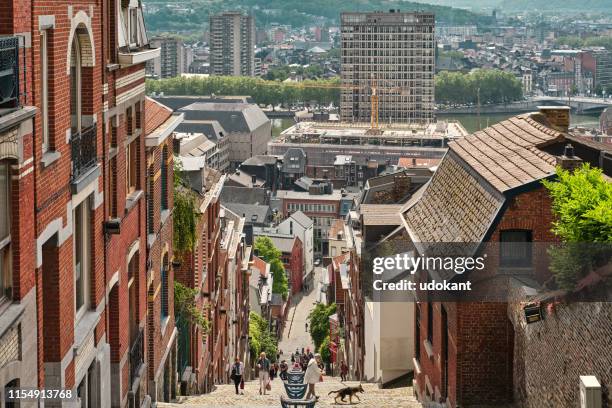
(295, 337)
(224, 396)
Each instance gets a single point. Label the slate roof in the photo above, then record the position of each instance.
(302, 219)
(178, 102)
(259, 160)
(211, 128)
(252, 213)
(283, 244)
(466, 193)
(234, 117)
(243, 195)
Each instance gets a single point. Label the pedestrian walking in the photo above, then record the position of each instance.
(306, 327)
(283, 370)
(313, 375)
(237, 372)
(343, 370)
(263, 364)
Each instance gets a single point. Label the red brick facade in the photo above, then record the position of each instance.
(466, 357)
(79, 232)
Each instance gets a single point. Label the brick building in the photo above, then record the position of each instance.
(201, 354)
(90, 230)
(464, 350)
(161, 333)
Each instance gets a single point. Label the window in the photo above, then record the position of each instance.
(129, 121)
(132, 166)
(6, 275)
(44, 85)
(82, 257)
(133, 24)
(164, 288)
(150, 201)
(75, 86)
(515, 248)
(112, 188)
(164, 179)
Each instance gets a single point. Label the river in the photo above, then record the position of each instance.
(470, 122)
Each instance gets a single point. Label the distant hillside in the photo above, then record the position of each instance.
(297, 13)
(577, 5)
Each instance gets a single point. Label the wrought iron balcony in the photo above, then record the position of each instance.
(9, 74)
(84, 150)
(136, 356)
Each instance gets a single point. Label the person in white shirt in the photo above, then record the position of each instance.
(313, 375)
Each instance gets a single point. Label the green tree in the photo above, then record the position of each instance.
(325, 350)
(260, 338)
(319, 322)
(186, 309)
(582, 205)
(184, 214)
(262, 91)
(493, 85)
(269, 253)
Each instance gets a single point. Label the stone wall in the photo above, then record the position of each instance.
(550, 355)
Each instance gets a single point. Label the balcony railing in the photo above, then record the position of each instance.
(84, 150)
(136, 356)
(9, 73)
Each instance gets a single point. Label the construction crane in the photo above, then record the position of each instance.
(374, 96)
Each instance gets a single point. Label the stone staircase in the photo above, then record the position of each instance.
(224, 396)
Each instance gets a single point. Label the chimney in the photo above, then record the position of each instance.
(558, 117)
(253, 180)
(568, 161)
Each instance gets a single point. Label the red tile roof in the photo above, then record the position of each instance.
(155, 115)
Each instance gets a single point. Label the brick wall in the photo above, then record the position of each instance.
(550, 355)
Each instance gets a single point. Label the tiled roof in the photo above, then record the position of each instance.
(261, 266)
(464, 196)
(454, 207)
(155, 114)
(381, 214)
(507, 154)
(336, 228)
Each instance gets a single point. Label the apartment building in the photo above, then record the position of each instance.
(232, 44)
(172, 60)
(89, 227)
(387, 64)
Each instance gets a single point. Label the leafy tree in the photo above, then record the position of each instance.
(260, 338)
(320, 91)
(319, 322)
(186, 309)
(325, 350)
(494, 86)
(184, 214)
(269, 253)
(582, 204)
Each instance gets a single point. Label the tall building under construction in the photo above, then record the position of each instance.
(387, 67)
